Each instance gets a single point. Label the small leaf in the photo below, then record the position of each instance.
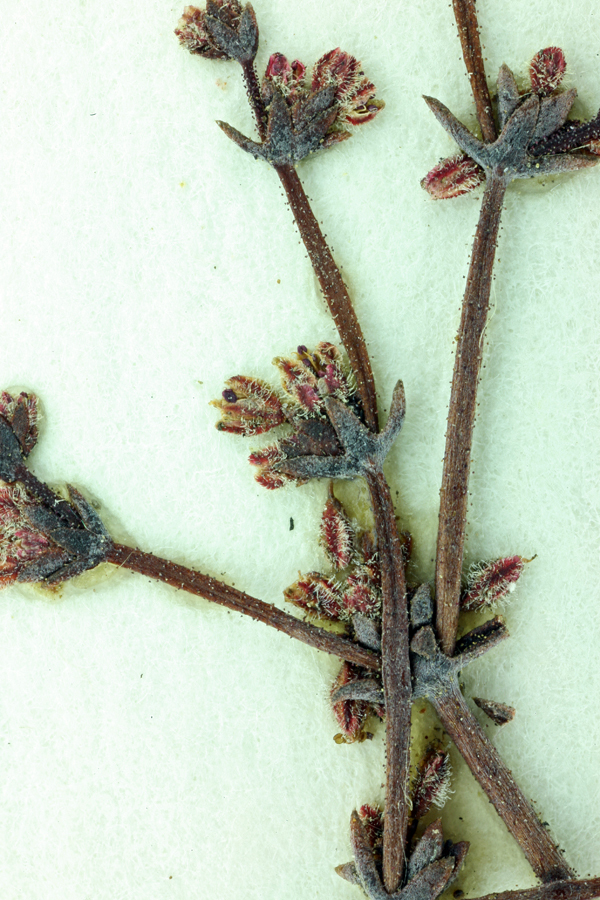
(499, 713)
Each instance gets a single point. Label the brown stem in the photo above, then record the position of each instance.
(468, 32)
(254, 98)
(395, 664)
(211, 589)
(496, 780)
(328, 274)
(558, 890)
(461, 417)
(335, 291)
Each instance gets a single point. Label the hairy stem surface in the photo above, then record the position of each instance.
(502, 790)
(468, 32)
(200, 585)
(395, 664)
(461, 417)
(335, 291)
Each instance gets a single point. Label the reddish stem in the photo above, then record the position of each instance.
(468, 32)
(335, 291)
(496, 780)
(211, 589)
(329, 276)
(395, 664)
(461, 417)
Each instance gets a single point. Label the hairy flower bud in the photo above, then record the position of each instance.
(432, 782)
(337, 534)
(490, 582)
(350, 714)
(452, 177)
(546, 70)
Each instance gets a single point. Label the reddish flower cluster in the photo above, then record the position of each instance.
(248, 407)
(359, 591)
(20, 543)
(224, 30)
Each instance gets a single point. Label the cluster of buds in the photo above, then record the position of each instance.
(539, 114)
(249, 407)
(306, 114)
(43, 538)
(224, 30)
(352, 596)
(303, 113)
(355, 588)
(432, 863)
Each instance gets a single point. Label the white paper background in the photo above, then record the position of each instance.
(153, 747)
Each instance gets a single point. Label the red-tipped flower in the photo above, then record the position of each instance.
(546, 70)
(248, 406)
(20, 543)
(353, 90)
(316, 595)
(490, 582)
(372, 819)
(452, 177)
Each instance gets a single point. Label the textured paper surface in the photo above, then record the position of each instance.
(156, 747)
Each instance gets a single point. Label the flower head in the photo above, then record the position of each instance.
(224, 30)
(308, 378)
(305, 115)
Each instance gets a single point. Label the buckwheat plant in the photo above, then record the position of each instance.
(415, 728)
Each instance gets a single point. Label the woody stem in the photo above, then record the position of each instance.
(200, 585)
(395, 664)
(461, 416)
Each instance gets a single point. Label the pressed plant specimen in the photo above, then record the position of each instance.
(323, 407)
